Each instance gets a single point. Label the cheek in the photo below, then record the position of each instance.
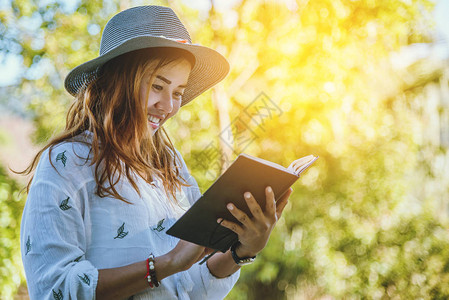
(143, 95)
(151, 99)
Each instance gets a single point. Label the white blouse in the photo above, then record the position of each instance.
(68, 232)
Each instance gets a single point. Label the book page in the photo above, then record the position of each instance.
(299, 165)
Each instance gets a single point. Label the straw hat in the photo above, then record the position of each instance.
(150, 27)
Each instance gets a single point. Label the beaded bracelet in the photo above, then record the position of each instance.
(151, 272)
(148, 276)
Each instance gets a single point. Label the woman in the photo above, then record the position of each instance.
(105, 191)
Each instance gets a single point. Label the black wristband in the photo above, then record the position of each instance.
(241, 261)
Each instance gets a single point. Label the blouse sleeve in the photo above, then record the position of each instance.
(53, 236)
(206, 286)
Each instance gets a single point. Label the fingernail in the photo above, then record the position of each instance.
(269, 189)
(219, 220)
(230, 206)
(247, 195)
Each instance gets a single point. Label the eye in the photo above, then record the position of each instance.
(157, 87)
(178, 95)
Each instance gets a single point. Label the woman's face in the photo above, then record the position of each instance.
(165, 94)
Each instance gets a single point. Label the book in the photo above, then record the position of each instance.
(246, 174)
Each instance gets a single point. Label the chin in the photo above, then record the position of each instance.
(153, 131)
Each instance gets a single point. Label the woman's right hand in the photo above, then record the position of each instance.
(181, 258)
(185, 254)
(122, 282)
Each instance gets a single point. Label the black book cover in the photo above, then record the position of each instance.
(199, 224)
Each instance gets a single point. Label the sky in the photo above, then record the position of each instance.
(10, 65)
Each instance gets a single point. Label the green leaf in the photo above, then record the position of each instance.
(85, 279)
(64, 205)
(121, 233)
(28, 244)
(78, 258)
(61, 156)
(58, 295)
(159, 226)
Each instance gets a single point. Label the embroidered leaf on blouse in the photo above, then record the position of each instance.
(58, 295)
(78, 258)
(121, 233)
(85, 279)
(64, 205)
(61, 156)
(28, 244)
(159, 226)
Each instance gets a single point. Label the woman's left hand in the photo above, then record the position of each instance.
(254, 232)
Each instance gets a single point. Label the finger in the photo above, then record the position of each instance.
(202, 255)
(240, 215)
(281, 209)
(208, 251)
(202, 251)
(270, 203)
(285, 196)
(231, 225)
(253, 206)
(188, 249)
(282, 202)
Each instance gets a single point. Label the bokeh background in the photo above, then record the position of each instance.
(364, 84)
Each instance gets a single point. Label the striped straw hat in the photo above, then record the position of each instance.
(151, 27)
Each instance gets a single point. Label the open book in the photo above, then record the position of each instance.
(199, 224)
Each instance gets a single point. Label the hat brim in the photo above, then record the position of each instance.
(209, 69)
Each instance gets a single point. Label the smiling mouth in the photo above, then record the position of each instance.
(154, 121)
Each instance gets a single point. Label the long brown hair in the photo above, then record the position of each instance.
(111, 108)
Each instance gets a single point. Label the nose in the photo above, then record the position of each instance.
(165, 103)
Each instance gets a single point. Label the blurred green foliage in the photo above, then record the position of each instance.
(355, 226)
(11, 203)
